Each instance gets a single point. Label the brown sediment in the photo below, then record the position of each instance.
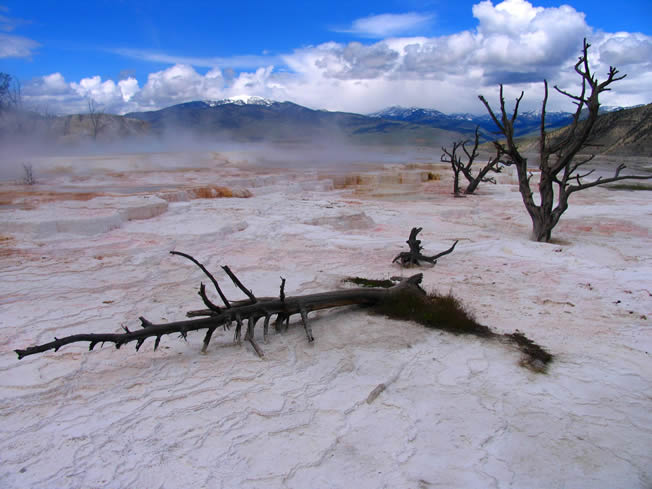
(605, 227)
(7, 248)
(215, 192)
(31, 199)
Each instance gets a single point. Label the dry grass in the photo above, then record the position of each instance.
(447, 313)
(436, 311)
(369, 282)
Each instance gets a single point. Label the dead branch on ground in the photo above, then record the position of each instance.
(414, 256)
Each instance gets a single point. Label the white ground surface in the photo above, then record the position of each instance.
(456, 412)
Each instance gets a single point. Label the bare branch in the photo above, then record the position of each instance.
(238, 284)
(208, 274)
(207, 302)
(491, 113)
(602, 181)
(282, 294)
(515, 113)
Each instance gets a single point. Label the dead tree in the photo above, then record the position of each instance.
(458, 166)
(414, 256)
(560, 159)
(97, 117)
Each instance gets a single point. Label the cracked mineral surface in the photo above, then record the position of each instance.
(372, 402)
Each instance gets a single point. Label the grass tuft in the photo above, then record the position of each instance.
(535, 357)
(443, 312)
(369, 282)
(447, 313)
(629, 186)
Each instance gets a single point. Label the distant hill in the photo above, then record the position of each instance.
(253, 119)
(111, 127)
(624, 132)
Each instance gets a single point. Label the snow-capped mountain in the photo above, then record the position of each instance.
(527, 121)
(242, 100)
(464, 122)
(405, 113)
(249, 118)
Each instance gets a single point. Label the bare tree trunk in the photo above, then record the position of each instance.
(452, 157)
(97, 117)
(558, 159)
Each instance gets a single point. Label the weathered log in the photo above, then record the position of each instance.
(414, 256)
(405, 300)
(250, 310)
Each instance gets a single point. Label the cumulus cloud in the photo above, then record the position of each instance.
(357, 61)
(386, 25)
(530, 42)
(514, 43)
(622, 49)
(177, 84)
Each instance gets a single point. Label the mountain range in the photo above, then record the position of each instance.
(466, 123)
(255, 119)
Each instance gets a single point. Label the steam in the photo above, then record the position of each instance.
(176, 148)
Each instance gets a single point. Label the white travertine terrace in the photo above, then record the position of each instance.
(451, 411)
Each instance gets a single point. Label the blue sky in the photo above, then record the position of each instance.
(357, 56)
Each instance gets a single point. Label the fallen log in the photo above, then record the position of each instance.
(250, 310)
(403, 300)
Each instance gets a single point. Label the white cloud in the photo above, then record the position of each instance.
(242, 61)
(386, 25)
(622, 49)
(514, 43)
(55, 83)
(128, 88)
(357, 61)
(177, 84)
(12, 46)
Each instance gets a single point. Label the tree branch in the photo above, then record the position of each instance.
(602, 181)
(210, 276)
(238, 284)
